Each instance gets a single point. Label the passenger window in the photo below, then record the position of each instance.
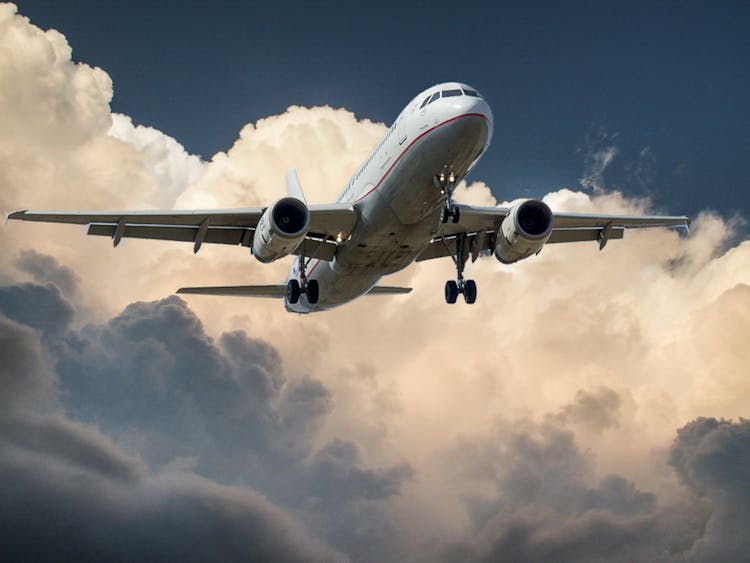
(451, 93)
(473, 93)
(427, 99)
(434, 97)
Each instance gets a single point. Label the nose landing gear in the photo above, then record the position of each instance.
(446, 183)
(309, 288)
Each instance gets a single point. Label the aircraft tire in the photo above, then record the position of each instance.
(470, 291)
(451, 292)
(292, 291)
(313, 292)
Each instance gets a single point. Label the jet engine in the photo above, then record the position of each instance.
(524, 231)
(281, 229)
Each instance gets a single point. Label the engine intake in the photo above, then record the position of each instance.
(281, 229)
(524, 231)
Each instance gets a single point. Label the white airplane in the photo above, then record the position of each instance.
(396, 209)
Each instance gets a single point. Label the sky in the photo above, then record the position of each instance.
(590, 406)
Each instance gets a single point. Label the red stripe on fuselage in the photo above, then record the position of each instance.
(403, 152)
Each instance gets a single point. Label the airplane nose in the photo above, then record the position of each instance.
(480, 107)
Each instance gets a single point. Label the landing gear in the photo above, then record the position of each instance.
(309, 288)
(293, 291)
(468, 288)
(446, 183)
(451, 292)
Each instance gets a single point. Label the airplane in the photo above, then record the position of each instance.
(396, 209)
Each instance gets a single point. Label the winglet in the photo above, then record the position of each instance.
(293, 187)
(14, 215)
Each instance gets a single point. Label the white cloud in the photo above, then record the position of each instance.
(171, 167)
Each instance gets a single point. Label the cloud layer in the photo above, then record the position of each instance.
(588, 407)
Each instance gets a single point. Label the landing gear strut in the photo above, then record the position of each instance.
(460, 286)
(446, 183)
(310, 288)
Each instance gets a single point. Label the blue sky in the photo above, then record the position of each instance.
(664, 82)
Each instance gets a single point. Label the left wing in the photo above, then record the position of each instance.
(481, 224)
(223, 226)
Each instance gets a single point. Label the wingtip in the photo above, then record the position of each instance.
(14, 214)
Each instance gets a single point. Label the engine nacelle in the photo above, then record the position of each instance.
(281, 229)
(524, 231)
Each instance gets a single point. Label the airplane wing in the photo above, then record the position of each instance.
(223, 226)
(481, 224)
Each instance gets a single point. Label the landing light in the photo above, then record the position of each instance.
(339, 238)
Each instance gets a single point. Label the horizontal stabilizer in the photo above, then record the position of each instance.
(274, 291)
(388, 290)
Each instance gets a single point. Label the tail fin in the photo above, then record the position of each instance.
(293, 187)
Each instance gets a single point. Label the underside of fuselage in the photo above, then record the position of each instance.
(401, 214)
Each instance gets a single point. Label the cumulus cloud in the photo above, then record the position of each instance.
(538, 424)
(711, 457)
(167, 162)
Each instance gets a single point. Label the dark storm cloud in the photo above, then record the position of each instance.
(46, 269)
(67, 492)
(154, 370)
(596, 409)
(338, 475)
(712, 458)
(549, 506)
(24, 375)
(152, 379)
(52, 514)
(39, 306)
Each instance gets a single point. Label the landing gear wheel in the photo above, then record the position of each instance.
(312, 292)
(292, 291)
(470, 291)
(451, 291)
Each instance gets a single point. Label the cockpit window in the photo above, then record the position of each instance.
(434, 97)
(427, 99)
(473, 93)
(451, 93)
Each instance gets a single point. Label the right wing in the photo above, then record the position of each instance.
(480, 226)
(224, 226)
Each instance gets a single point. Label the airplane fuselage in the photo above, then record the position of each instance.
(395, 192)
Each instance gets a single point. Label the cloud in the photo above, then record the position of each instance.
(539, 422)
(68, 491)
(38, 306)
(601, 149)
(167, 162)
(44, 269)
(711, 458)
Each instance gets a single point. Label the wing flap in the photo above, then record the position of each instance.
(225, 235)
(585, 234)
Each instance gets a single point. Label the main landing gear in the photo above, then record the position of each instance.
(310, 288)
(460, 286)
(446, 183)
